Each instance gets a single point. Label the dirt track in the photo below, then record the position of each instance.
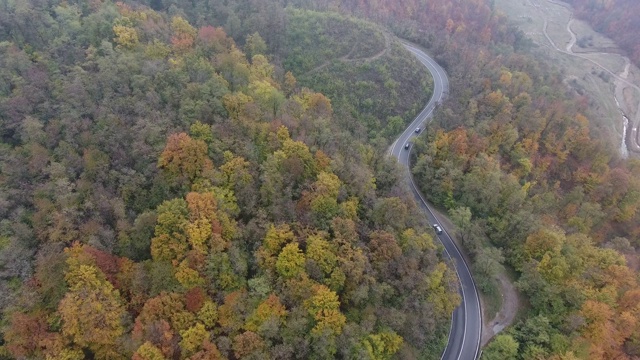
(507, 313)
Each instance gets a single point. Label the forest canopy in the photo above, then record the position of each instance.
(173, 164)
(167, 193)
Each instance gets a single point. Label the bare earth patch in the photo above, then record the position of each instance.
(507, 313)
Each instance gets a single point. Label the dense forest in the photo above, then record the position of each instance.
(528, 180)
(169, 193)
(364, 71)
(618, 19)
(165, 162)
(526, 177)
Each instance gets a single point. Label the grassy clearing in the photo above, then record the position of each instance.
(631, 96)
(315, 39)
(589, 40)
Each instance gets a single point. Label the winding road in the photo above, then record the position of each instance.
(466, 320)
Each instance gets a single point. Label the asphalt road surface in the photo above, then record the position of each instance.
(466, 321)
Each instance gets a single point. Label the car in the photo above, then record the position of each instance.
(406, 146)
(417, 130)
(437, 228)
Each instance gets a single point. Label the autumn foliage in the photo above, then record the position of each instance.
(163, 196)
(211, 207)
(184, 157)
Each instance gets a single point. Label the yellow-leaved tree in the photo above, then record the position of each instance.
(290, 262)
(184, 159)
(324, 306)
(126, 36)
(147, 351)
(383, 345)
(92, 312)
(193, 339)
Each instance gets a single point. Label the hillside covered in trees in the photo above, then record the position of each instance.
(528, 180)
(166, 193)
(524, 174)
(618, 19)
(530, 183)
(165, 164)
(364, 71)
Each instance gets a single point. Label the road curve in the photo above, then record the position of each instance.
(466, 320)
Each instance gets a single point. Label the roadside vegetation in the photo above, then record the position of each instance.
(518, 151)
